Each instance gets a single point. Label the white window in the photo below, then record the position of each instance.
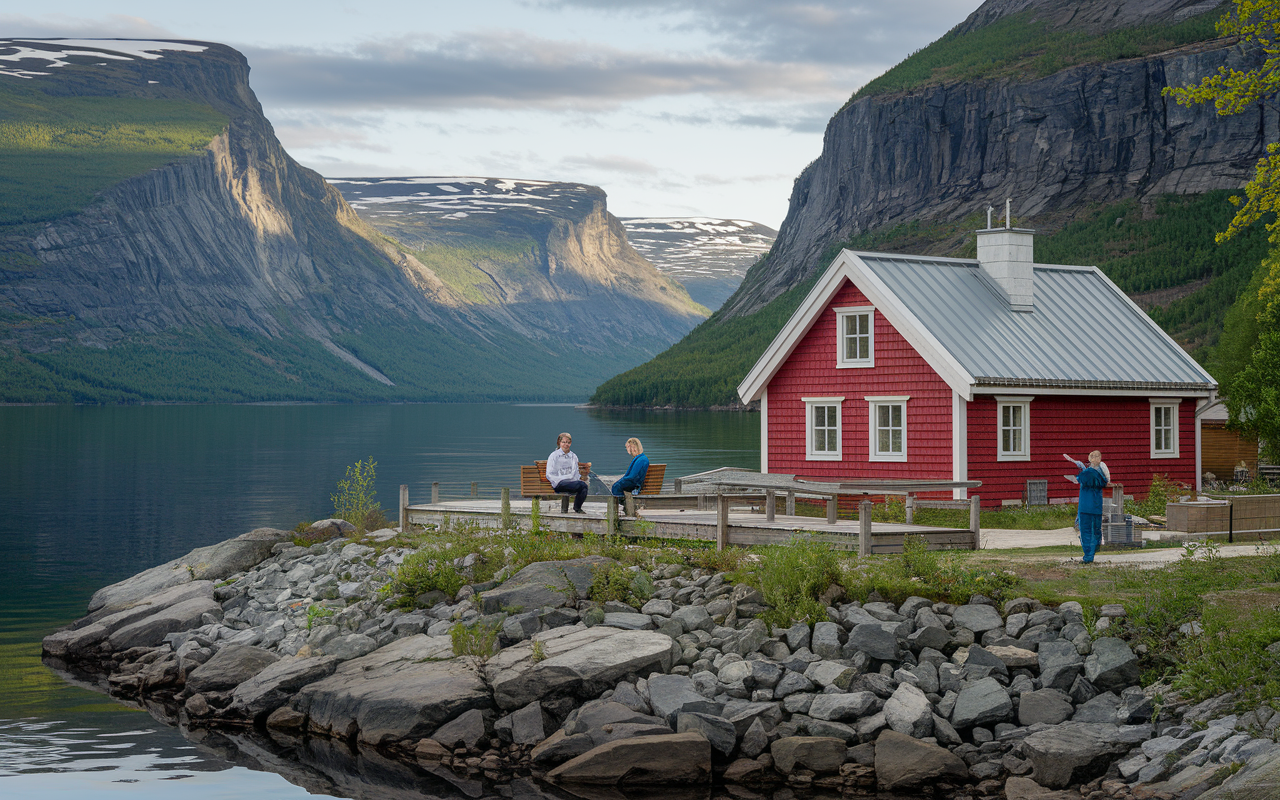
(855, 337)
(1013, 428)
(1164, 429)
(888, 428)
(822, 428)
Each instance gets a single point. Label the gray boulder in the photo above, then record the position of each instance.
(545, 583)
(693, 618)
(528, 725)
(669, 695)
(909, 711)
(1111, 665)
(903, 762)
(872, 639)
(83, 638)
(560, 747)
(826, 639)
(1060, 664)
(977, 618)
(717, 730)
(1077, 752)
(852, 705)
(1047, 706)
(580, 662)
(352, 645)
(677, 758)
(396, 693)
(211, 563)
(981, 703)
(464, 731)
(228, 668)
(276, 685)
(629, 621)
(818, 753)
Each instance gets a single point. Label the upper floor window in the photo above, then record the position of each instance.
(855, 337)
(823, 428)
(1164, 429)
(1013, 423)
(888, 428)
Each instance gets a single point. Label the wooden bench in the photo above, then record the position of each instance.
(534, 483)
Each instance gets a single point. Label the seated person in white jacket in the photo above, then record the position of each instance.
(562, 472)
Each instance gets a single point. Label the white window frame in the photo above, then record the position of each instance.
(874, 404)
(1172, 406)
(1023, 403)
(855, 363)
(825, 455)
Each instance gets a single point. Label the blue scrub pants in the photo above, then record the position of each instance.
(622, 486)
(1090, 535)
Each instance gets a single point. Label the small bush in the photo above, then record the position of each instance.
(1161, 492)
(477, 641)
(616, 582)
(317, 612)
(425, 571)
(792, 577)
(354, 498)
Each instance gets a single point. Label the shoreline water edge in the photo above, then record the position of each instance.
(285, 648)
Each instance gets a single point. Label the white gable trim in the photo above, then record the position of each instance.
(849, 266)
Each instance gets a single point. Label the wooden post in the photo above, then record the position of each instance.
(975, 521)
(629, 504)
(611, 514)
(911, 508)
(435, 492)
(404, 507)
(864, 528)
(1117, 502)
(791, 503)
(722, 521)
(832, 502)
(475, 489)
(770, 504)
(679, 486)
(506, 508)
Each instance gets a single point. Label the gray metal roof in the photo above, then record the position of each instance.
(1083, 332)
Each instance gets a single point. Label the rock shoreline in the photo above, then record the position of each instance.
(692, 688)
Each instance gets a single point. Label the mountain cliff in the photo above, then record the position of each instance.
(223, 270)
(1054, 104)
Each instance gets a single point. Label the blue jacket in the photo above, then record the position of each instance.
(638, 469)
(1092, 483)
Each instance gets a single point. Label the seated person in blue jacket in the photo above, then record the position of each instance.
(633, 481)
(562, 472)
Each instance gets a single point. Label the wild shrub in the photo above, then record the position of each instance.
(354, 499)
(616, 582)
(1230, 654)
(478, 641)
(1162, 491)
(792, 577)
(425, 571)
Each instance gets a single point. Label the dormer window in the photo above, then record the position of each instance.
(855, 337)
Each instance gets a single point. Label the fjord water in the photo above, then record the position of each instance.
(92, 495)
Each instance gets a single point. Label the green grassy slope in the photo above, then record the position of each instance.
(1170, 249)
(1021, 47)
(57, 152)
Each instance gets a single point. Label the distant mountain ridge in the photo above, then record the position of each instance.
(709, 256)
(220, 269)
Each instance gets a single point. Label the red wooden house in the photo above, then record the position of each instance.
(899, 366)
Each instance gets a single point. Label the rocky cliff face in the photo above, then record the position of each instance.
(243, 237)
(1091, 133)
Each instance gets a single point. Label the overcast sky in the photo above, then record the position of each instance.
(675, 108)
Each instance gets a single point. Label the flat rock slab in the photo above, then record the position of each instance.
(677, 758)
(229, 667)
(212, 563)
(151, 630)
(395, 693)
(977, 618)
(276, 685)
(903, 762)
(579, 661)
(818, 753)
(545, 583)
(88, 633)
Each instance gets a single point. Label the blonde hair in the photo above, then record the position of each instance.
(562, 437)
(634, 442)
(1095, 457)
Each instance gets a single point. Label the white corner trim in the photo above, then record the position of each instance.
(1004, 398)
(959, 444)
(764, 432)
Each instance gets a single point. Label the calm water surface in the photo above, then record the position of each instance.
(90, 496)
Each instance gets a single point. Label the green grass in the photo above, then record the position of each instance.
(1021, 48)
(466, 262)
(57, 152)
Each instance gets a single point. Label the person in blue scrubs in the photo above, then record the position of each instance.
(1092, 481)
(634, 479)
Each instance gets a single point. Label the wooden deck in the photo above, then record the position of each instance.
(745, 527)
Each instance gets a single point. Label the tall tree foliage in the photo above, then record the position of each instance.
(1252, 382)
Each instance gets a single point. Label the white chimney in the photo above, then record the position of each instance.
(1005, 256)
